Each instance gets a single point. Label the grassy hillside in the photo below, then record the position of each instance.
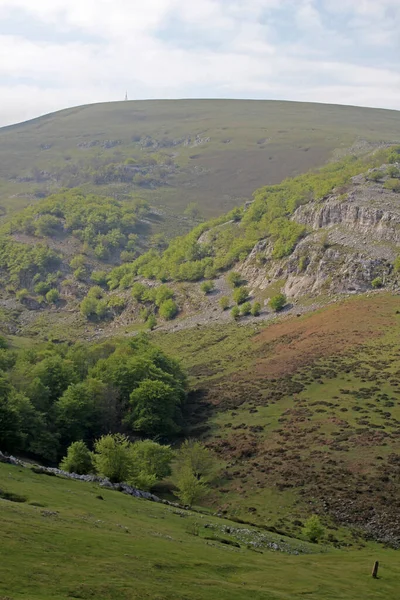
(211, 152)
(71, 539)
(304, 412)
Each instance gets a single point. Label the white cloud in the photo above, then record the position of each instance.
(256, 48)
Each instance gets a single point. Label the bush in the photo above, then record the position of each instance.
(162, 294)
(396, 265)
(99, 278)
(278, 302)
(235, 312)
(151, 322)
(138, 291)
(393, 185)
(376, 175)
(22, 294)
(234, 279)
(194, 469)
(377, 283)
(112, 457)
(168, 310)
(313, 529)
(52, 296)
(393, 171)
(41, 288)
(256, 309)
(246, 308)
(224, 302)
(88, 306)
(207, 287)
(240, 295)
(78, 459)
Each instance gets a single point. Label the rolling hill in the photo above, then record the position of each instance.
(214, 153)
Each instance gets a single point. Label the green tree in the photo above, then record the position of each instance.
(155, 408)
(168, 310)
(151, 463)
(194, 469)
(190, 489)
(235, 312)
(256, 309)
(377, 282)
(138, 291)
(207, 287)
(240, 295)
(246, 308)
(278, 302)
(52, 296)
(224, 302)
(313, 529)
(151, 322)
(112, 457)
(88, 306)
(162, 294)
(396, 264)
(78, 459)
(234, 279)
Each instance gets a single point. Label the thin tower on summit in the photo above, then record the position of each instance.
(126, 97)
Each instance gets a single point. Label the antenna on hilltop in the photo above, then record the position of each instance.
(126, 97)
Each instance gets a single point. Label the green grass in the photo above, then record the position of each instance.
(65, 542)
(297, 408)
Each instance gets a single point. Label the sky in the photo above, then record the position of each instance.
(60, 53)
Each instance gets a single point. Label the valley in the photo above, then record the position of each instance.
(222, 273)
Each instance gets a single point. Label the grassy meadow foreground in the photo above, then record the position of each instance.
(66, 542)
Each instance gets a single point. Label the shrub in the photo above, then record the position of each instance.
(101, 308)
(80, 273)
(52, 296)
(278, 302)
(116, 303)
(246, 308)
(88, 306)
(396, 264)
(256, 309)
(207, 287)
(99, 278)
(151, 322)
(194, 469)
(168, 309)
(393, 185)
(78, 459)
(234, 279)
(138, 291)
(377, 283)
(235, 312)
(313, 529)
(41, 288)
(162, 294)
(95, 292)
(112, 457)
(22, 294)
(224, 302)
(393, 171)
(240, 295)
(376, 175)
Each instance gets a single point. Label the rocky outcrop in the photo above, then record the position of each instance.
(382, 225)
(352, 240)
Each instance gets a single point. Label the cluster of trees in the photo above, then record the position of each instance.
(53, 395)
(155, 300)
(27, 266)
(268, 217)
(144, 463)
(103, 224)
(143, 170)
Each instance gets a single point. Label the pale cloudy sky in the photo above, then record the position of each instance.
(60, 53)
